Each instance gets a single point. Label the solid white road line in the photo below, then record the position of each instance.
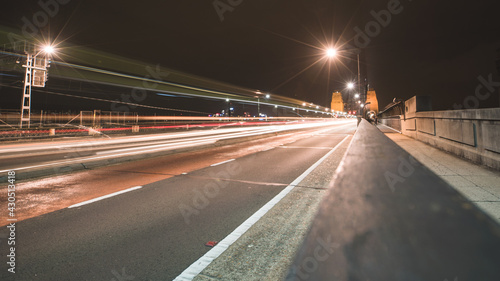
(104, 197)
(198, 266)
(223, 162)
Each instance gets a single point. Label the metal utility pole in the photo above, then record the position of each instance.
(258, 106)
(26, 102)
(359, 77)
(35, 76)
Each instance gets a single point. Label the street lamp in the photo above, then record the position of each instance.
(48, 49)
(331, 52)
(267, 96)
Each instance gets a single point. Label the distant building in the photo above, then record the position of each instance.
(371, 97)
(337, 102)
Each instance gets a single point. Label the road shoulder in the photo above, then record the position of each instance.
(267, 249)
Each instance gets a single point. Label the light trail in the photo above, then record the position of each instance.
(123, 147)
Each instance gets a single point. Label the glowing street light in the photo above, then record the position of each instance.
(268, 96)
(48, 49)
(331, 52)
(356, 96)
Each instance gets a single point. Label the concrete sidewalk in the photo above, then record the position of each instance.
(479, 184)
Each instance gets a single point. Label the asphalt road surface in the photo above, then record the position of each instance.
(154, 229)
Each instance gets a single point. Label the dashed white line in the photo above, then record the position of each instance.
(104, 197)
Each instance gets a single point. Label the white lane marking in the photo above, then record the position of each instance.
(223, 162)
(198, 266)
(104, 197)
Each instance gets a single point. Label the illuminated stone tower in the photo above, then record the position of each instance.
(337, 102)
(371, 97)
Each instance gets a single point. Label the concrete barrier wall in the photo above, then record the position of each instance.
(472, 134)
(393, 122)
(388, 217)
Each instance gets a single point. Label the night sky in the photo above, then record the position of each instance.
(439, 48)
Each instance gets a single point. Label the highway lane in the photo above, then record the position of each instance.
(155, 232)
(59, 191)
(40, 155)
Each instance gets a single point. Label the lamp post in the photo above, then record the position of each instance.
(332, 52)
(350, 86)
(35, 76)
(258, 105)
(267, 96)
